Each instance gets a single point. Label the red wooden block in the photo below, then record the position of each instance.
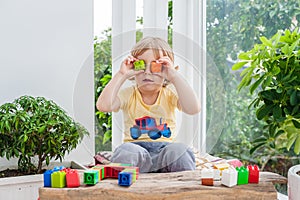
(115, 171)
(253, 174)
(72, 178)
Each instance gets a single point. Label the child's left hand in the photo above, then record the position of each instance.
(169, 71)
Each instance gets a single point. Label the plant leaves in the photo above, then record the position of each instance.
(238, 65)
(293, 98)
(252, 150)
(265, 41)
(297, 145)
(263, 111)
(296, 123)
(291, 141)
(256, 84)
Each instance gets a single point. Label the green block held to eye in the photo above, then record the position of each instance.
(139, 65)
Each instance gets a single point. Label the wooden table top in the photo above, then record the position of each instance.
(177, 185)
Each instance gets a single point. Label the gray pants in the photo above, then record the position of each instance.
(155, 156)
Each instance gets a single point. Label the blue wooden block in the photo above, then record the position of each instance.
(47, 178)
(125, 178)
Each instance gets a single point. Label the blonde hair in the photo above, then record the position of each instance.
(155, 44)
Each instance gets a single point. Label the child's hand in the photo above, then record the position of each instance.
(169, 71)
(127, 68)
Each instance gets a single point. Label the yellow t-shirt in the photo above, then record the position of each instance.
(163, 110)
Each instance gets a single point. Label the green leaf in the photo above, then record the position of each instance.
(297, 145)
(244, 56)
(238, 65)
(107, 136)
(291, 141)
(252, 150)
(42, 129)
(293, 98)
(296, 123)
(263, 111)
(47, 160)
(256, 84)
(259, 140)
(267, 82)
(265, 41)
(277, 112)
(278, 133)
(285, 49)
(25, 138)
(276, 70)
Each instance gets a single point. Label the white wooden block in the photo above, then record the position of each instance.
(229, 177)
(217, 174)
(207, 173)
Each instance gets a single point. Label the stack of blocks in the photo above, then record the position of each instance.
(60, 177)
(240, 176)
(125, 173)
(207, 177)
(230, 176)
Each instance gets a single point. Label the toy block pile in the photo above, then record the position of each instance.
(230, 174)
(60, 177)
(125, 173)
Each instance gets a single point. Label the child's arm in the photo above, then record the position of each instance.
(108, 100)
(188, 100)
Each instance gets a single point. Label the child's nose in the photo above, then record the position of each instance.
(147, 70)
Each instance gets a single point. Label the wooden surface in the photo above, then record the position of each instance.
(178, 185)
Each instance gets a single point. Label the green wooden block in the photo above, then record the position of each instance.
(139, 65)
(243, 175)
(58, 179)
(133, 171)
(91, 177)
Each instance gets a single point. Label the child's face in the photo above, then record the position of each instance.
(147, 81)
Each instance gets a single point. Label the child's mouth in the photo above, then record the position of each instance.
(147, 80)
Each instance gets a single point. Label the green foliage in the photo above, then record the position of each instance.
(234, 26)
(274, 70)
(38, 127)
(103, 71)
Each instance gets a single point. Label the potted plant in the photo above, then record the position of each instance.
(273, 68)
(35, 127)
(36, 130)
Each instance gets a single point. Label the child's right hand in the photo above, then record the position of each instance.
(127, 67)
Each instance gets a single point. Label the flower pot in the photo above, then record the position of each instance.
(294, 183)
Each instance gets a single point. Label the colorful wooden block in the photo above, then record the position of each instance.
(58, 179)
(125, 178)
(91, 177)
(207, 181)
(221, 166)
(235, 163)
(72, 178)
(47, 178)
(156, 67)
(207, 177)
(217, 174)
(139, 65)
(253, 173)
(229, 177)
(101, 170)
(113, 170)
(243, 175)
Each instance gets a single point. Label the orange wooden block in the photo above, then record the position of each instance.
(207, 181)
(155, 67)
